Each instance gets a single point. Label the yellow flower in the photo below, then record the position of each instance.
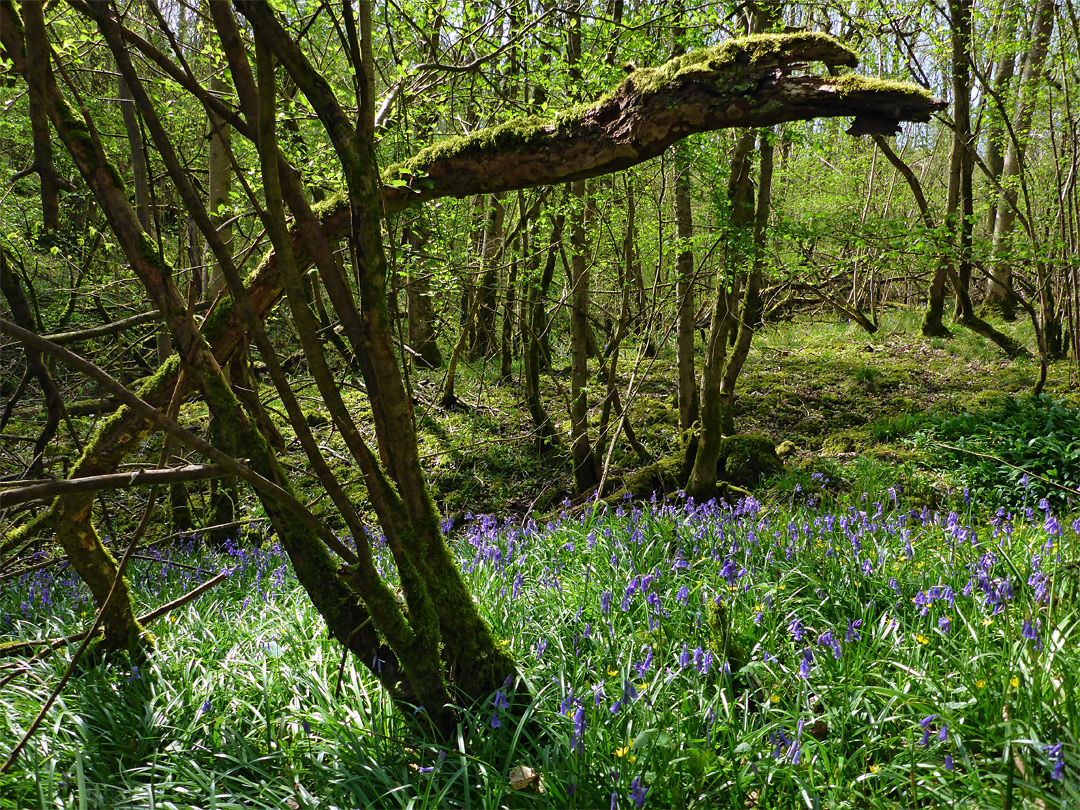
(775, 699)
(875, 769)
(987, 621)
(643, 686)
(1014, 682)
(980, 683)
(758, 608)
(612, 672)
(922, 639)
(622, 752)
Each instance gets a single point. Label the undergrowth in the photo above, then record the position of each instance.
(858, 655)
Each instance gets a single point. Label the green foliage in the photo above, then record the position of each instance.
(1022, 449)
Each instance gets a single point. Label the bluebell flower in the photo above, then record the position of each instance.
(853, 631)
(577, 744)
(948, 762)
(807, 660)
(827, 639)
(495, 721)
(1057, 753)
(685, 658)
(945, 624)
(797, 629)
(1031, 633)
(637, 792)
(925, 723)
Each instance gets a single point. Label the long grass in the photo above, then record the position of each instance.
(680, 655)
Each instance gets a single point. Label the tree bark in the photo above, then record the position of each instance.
(999, 295)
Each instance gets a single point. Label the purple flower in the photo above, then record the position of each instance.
(945, 624)
(1057, 753)
(306, 726)
(948, 762)
(683, 595)
(827, 639)
(798, 630)
(925, 723)
(853, 631)
(579, 729)
(685, 658)
(1031, 633)
(501, 701)
(206, 706)
(807, 660)
(605, 603)
(495, 721)
(637, 792)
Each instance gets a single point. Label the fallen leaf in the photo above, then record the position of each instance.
(522, 776)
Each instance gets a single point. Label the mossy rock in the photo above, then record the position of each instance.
(846, 441)
(652, 411)
(785, 449)
(745, 461)
(316, 419)
(665, 475)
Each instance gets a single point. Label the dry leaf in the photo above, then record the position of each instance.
(522, 776)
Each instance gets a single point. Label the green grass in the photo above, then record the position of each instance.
(614, 619)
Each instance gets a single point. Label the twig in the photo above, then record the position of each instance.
(90, 483)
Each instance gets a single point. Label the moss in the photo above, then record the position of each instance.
(521, 133)
(852, 83)
(663, 476)
(746, 460)
(846, 441)
(316, 418)
(78, 134)
(742, 51)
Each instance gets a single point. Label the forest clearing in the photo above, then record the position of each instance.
(513, 405)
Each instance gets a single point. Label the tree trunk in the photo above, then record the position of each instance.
(1000, 297)
(421, 314)
(586, 472)
(738, 248)
(687, 310)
